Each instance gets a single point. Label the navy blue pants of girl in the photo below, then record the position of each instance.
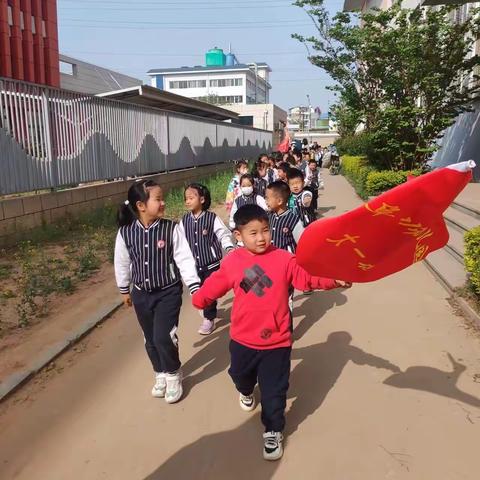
(158, 314)
(210, 313)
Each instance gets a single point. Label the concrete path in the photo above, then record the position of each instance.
(383, 386)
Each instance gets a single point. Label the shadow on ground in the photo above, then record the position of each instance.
(434, 380)
(237, 453)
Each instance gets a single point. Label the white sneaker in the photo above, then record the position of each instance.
(207, 327)
(272, 445)
(174, 389)
(247, 402)
(160, 386)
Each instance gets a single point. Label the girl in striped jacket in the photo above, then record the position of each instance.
(151, 257)
(207, 235)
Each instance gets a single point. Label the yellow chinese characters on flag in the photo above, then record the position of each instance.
(389, 233)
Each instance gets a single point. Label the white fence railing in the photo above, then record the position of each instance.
(51, 138)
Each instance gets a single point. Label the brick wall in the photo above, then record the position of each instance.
(18, 215)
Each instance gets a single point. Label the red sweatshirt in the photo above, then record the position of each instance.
(260, 312)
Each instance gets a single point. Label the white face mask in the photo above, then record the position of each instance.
(247, 190)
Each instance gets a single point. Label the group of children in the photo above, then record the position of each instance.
(152, 254)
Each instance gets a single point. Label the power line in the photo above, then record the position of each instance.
(171, 9)
(158, 54)
(155, 3)
(189, 27)
(187, 24)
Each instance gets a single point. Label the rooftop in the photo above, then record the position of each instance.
(199, 68)
(153, 97)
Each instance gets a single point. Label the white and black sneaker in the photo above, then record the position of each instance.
(272, 445)
(173, 388)
(247, 402)
(160, 386)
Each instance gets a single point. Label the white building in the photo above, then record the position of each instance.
(222, 81)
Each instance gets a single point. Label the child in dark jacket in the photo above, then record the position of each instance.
(261, 338)
(207, 237)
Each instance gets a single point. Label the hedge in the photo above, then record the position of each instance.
(369, 182)
(358, 144)
(356, 169)
(378, 182)
(472, 257)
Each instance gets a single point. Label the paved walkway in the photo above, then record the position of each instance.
(382, 387)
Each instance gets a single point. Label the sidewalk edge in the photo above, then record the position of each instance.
(15, 380)
(468, 311)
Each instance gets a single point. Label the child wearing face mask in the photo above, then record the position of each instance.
(248, 196)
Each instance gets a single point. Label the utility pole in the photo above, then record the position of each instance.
(309, 117)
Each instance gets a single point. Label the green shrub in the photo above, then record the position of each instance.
(379, 182)
(472, 258)
(356, 169)
(358, 144)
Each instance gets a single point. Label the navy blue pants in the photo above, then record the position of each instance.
(157, 314)
(271, 369)
(210, 312)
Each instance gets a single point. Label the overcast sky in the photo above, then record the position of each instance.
(133, 36)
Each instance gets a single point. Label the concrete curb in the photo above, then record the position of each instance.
(467, 311)
(15, 380)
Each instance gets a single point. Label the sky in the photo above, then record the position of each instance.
(134, 36)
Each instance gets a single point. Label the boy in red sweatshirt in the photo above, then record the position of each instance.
(261, 342)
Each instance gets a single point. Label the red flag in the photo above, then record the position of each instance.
(389, 233)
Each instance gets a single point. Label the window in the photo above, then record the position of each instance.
(228, 99)
(34, 28)
(221, 100)
(67, 68)
(188, 84)
(227, 82)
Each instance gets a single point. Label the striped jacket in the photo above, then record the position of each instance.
(153, 257)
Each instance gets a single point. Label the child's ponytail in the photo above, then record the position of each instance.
(139, 192)
(125, 214)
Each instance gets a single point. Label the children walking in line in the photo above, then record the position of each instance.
(314, 181)
(207, 235)
(302, 199)
(151, 257)
(233, 190)
(248, 196)
(259, 174)
(261, 341)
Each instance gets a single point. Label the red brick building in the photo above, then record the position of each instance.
(29, 41)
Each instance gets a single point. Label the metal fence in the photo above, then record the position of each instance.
(51, 138)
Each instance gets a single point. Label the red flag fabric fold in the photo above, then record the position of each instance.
(387, 234)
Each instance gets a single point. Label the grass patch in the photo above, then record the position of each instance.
(57, 257)
(217, 184)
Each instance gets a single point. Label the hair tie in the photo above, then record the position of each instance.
(126, 202)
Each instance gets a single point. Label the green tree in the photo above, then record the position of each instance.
(405, 73)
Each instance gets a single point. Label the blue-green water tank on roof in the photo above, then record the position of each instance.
(215, 57)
